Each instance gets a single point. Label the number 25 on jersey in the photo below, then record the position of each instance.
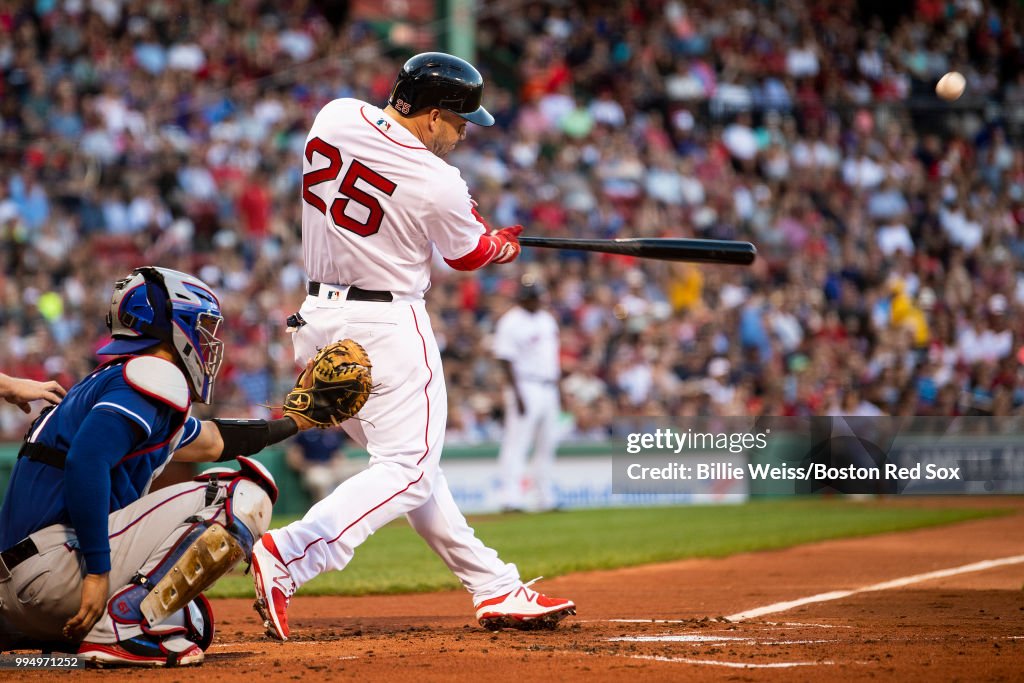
(347, 190)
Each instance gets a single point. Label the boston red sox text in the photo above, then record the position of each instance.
(814, 471)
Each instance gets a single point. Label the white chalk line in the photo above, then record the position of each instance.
(730, 665)
(690, 638)
(885, 585)
(676, 639)
(790, 624)
(635, 621)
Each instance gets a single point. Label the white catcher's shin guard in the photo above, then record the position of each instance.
(212, 553)
(209, 557)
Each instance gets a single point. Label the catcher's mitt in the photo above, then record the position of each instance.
(333, 387)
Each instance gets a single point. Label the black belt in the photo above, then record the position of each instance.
(18, 553)
(355, 293)
(48, 455)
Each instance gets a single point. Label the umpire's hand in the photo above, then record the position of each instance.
(95, 589)
(21, 392)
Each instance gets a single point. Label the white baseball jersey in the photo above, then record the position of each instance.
(374, 199)
(518, 331)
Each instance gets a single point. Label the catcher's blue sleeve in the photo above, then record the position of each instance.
(104, 438)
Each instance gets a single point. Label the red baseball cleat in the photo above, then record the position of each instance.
(274, 587)
(523, 609)
(143, 651)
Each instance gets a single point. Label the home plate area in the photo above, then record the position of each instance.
(834, 649)
(720, 644)
(941, 633)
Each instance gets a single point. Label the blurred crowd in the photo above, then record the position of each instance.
(888, 222)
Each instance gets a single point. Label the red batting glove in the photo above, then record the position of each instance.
(508, 244)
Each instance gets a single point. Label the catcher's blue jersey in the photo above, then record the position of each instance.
(35, 496)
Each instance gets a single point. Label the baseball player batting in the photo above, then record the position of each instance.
(378, 197)
(94, 562)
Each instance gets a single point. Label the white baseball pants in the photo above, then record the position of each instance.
(402, 426)
(537, 427)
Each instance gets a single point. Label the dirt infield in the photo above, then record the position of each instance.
(667, 622)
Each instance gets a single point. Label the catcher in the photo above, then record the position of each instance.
(94, 563)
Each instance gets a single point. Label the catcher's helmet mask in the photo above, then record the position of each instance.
(154, 305)
(437, 79)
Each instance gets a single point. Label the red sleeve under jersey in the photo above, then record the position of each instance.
(486, 249)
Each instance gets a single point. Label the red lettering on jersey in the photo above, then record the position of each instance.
(322, 175)
(347, 190)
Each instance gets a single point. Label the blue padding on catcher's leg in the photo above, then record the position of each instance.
(125, 606)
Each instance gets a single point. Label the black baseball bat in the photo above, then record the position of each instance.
(663, 248)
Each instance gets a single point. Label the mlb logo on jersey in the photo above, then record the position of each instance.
(333, 294)
(383, 125)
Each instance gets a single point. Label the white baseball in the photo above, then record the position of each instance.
(951, 86)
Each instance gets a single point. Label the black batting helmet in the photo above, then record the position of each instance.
(436, 79)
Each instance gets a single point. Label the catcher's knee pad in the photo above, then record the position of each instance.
(249, 470)
(252, 493)
(250, 507)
